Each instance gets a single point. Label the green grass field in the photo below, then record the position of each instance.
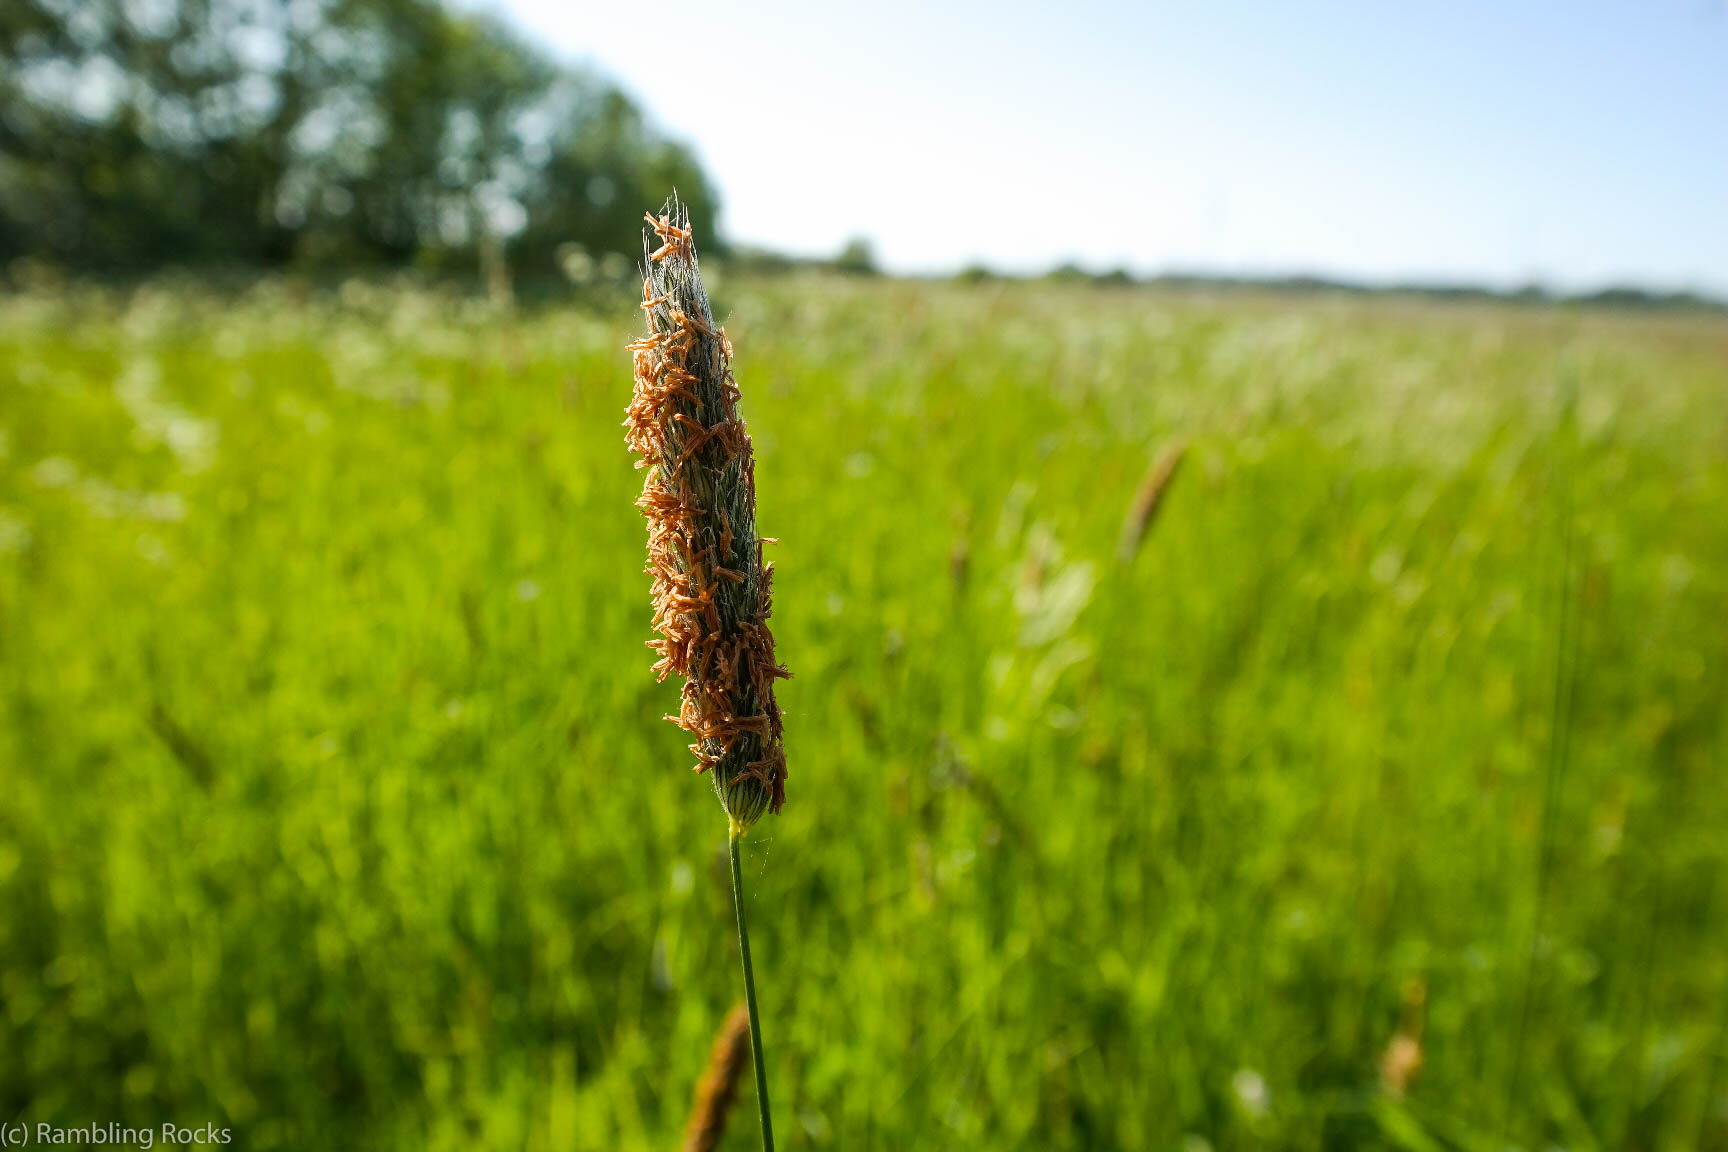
(336, 806)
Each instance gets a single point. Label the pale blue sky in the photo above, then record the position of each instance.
(1577, 144)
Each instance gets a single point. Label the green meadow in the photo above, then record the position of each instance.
(337, 807)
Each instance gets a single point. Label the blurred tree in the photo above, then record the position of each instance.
(857, 257)
(600, 162)
(135, 133)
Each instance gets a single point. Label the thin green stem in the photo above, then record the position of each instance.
(750, 995)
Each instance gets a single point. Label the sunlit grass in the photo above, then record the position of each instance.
(338, 807)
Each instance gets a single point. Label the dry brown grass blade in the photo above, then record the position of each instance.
(718, 1086)
(1148, 499)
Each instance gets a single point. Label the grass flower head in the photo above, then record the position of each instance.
(711, 585)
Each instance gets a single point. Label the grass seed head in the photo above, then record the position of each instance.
(711, 584)
(719, 1084)
(1148, 499)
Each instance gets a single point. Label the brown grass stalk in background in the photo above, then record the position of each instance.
(1148, 499)
(718, 1086)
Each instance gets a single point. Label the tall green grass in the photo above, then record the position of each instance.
(336, 807)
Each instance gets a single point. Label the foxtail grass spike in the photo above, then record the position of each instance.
(711, 583)
(1148, 499)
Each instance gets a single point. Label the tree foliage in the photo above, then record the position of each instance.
(135, 133)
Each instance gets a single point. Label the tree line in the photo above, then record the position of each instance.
(141, 133)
